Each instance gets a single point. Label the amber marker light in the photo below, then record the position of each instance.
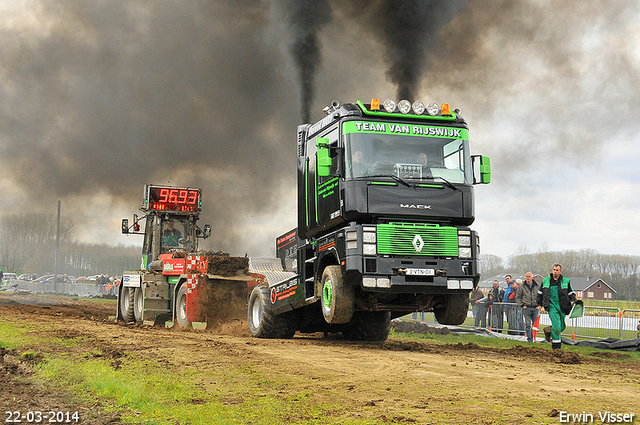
(375, 104)
(446, 109)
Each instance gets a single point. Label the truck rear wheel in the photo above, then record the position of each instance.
(455, 312)
(125, 304)
(181, 308)
(369, 326)
(338, 299)
(263, 323)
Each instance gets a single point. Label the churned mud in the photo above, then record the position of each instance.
(400, 380)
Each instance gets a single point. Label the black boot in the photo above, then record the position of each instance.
(556, 345)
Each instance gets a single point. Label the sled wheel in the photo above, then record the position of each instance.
(138, 304)
(125, 303)
(263, 323)
(338, 299)
(455, 311)
(181, 308)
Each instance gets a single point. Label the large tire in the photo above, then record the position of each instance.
(455, 311)
(369, 326)
(338, 299)
(181, 308)
(125, 304)
(138, 304)
(263, 323)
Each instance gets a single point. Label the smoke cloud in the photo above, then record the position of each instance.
(98, 98)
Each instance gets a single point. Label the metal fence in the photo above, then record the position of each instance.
(76, 289)
(597, 323)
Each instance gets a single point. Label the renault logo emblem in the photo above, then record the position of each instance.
(418, 243)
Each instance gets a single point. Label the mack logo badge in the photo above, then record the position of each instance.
(416, 206)
(418, 243)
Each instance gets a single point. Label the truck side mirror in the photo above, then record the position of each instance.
(207, 231)
(481, 164)
(324, 159)
(125, 226)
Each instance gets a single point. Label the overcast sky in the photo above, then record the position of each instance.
(98, 98)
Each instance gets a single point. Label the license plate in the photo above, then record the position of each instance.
(420, 272)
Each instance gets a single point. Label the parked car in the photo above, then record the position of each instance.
(27, 276)
(44, 278)
(8, 277)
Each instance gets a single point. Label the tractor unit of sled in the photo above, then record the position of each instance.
(385, 201)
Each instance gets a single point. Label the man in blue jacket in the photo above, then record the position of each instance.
(557, 297)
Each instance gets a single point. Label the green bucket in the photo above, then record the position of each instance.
(577, 310)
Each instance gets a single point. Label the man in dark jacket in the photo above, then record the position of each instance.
(495, 299)
(479, 310)
(527, 297)
(557, 297)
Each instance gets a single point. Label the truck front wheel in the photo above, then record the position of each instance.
(455, 311)
(181, 308)
(263, 323)
(338, 299)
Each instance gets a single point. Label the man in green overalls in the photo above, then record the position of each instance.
(557, 297)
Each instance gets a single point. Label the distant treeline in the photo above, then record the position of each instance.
(28, 245)
(619, 271)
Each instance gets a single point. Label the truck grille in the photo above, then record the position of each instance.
(417, 239)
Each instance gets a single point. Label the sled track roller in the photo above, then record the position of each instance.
(271, 268)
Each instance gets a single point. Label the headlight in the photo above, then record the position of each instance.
(369, 282)
(464, 240)
(464, 252)
(433, 109)
(369, 249)
(404, 106)
(352, 244)
(418, 107)
(369, 237)
(389, 105)
(352, 235)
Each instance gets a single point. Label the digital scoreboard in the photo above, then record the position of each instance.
(171, 199)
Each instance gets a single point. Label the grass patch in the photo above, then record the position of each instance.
(145, 389)
(505, 343)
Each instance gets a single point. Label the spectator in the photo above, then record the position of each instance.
(510, 308)
(478, 308)
(494, 299)
(526, 298)
(557, 297)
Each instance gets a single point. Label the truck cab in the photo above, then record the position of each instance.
(385, 201)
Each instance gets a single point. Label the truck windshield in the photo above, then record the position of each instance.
(408, 157)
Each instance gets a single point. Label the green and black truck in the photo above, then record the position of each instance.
(385, 201)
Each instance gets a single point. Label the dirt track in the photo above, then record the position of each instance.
(399, 381)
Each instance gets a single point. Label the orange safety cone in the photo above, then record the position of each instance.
(574, 337)
(535, 328)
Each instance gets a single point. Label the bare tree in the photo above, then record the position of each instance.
(23, 237)
(490, 264)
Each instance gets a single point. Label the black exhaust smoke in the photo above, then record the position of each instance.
(408, 31)
(304, 20)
